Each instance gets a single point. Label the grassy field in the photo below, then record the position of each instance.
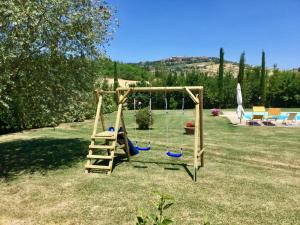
(251, 176)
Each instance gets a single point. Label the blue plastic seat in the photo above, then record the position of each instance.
(174, 155)
(143, 149)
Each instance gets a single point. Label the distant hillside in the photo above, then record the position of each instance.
(209, 65)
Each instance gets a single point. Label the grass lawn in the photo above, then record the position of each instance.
(251, 176)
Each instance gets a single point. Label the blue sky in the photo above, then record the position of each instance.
(157, 29)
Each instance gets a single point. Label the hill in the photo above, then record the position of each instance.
(206, 64)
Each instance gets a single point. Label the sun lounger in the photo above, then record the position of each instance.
(258, 109)
(273, 113)
(258, 112)
(257, 115)
(291, 119)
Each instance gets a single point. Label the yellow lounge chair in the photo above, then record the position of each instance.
(291, 119)
(259, 109)
(273, 113)
(258, 112)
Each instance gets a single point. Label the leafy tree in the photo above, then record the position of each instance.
(284, 89)
(105, 67)
(46, 66)
(263, 79)
(241, 70)
(221, 77)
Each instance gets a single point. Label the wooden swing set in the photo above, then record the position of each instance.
(111, 137)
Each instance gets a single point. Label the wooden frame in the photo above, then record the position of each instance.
(194, 92)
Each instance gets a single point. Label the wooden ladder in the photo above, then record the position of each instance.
(104, 144)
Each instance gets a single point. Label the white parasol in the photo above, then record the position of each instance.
(240, 110)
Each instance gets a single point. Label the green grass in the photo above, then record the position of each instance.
(251, 176)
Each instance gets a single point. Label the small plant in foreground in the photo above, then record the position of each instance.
(206, 222)
(157, 217)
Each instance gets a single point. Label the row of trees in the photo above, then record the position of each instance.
(259, 86)
(106, 68)
(259, 73)
(50, 64)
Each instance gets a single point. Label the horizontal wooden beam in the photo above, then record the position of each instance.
(160, 89)
(106, 92)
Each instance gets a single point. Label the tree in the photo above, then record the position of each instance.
(263, 79)
(46, 49)
(116, 83)
(221, 77)
(241, 70)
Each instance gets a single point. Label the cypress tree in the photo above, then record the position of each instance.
(241, 70)
(263, 79)
(221, 77)
(116, 83)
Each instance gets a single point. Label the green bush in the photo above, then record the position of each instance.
(144, 118)
(173, 103)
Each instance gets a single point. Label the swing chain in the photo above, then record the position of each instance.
(167, 122)
(135, 131)
(150, 120)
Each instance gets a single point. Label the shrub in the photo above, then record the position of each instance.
(143, 118)
(173, 103)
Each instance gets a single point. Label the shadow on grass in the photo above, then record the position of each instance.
(167, 166)
(39, 155)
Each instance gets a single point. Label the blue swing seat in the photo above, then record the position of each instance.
(143, 149)
(174, 155)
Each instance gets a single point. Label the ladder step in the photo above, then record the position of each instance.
(101, 147)
(122, 146)
(106, 138)
(97, 167)
(104, 135)
(99, 156)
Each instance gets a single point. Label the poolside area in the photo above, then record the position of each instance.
(232, 116)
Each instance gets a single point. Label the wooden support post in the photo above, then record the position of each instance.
(98, 93)
(118, 118)
(98, 111)
(125, 136)
(122, 100)
(97, 114)
(102, 121)
(201, 152)
(196, 141)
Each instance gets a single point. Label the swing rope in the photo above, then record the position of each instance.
(169, 153)
(150, 120)
(135, 132)
(182, 111)
(167, 121)
(149, 130)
